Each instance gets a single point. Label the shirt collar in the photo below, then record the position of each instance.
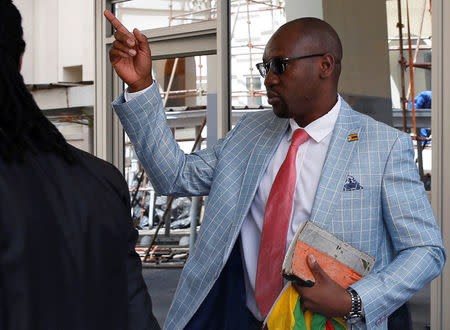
(321, 127)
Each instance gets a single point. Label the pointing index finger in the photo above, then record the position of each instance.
(115, 22)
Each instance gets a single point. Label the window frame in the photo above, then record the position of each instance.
(202, 38)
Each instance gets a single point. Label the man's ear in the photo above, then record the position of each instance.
(20, 62)
(326, 66)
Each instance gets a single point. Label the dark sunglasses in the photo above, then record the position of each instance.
(278, 64)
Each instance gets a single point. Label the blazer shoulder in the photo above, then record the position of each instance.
(260, 117)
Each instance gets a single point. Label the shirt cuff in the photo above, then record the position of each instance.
(129, 96)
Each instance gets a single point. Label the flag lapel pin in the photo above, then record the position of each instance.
(352, 137)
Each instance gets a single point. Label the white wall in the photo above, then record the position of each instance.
(58, 33)
(40, 61)
(76, 37)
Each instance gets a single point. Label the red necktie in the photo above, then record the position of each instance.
(269, 281)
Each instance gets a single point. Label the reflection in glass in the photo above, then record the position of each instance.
(145, 14)
(252, 24)
(183, 85)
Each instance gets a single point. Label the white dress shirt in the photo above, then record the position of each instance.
(310, 160)
(309, 163)
(128, 96)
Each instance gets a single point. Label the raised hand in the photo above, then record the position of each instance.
(326, 296)
(130, 55)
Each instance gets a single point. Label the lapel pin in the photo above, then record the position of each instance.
(352, 137)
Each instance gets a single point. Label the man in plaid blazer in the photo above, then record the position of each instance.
(368, 193)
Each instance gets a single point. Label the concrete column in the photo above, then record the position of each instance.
(303, 8)
(364, 80)
(362, 27)
(211, 101)
(223, 68)
(105, 89)
(440, 188)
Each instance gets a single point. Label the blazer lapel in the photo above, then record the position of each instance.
(257, 164)
(337, 161)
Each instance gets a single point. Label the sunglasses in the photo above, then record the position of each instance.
(278, 64)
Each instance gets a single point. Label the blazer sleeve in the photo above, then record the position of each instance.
(171, 171)
(415, 235)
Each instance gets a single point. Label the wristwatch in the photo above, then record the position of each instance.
(355, 313)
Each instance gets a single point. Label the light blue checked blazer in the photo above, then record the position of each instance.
(390, 218)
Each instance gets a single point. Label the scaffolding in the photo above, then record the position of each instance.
(408, 96)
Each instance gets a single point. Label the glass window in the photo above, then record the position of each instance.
(252, 24)
(253, 85)
(183, 87)
(145, 14)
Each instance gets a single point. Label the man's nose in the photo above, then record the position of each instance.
(271, 79)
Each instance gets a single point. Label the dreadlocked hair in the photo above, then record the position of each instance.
(23, 126)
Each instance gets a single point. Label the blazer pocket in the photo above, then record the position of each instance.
(360, 212)
(356, 204)
(355, 195)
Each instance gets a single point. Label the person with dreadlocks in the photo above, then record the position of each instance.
(67, 258)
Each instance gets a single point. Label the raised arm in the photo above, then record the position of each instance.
(170, 170)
